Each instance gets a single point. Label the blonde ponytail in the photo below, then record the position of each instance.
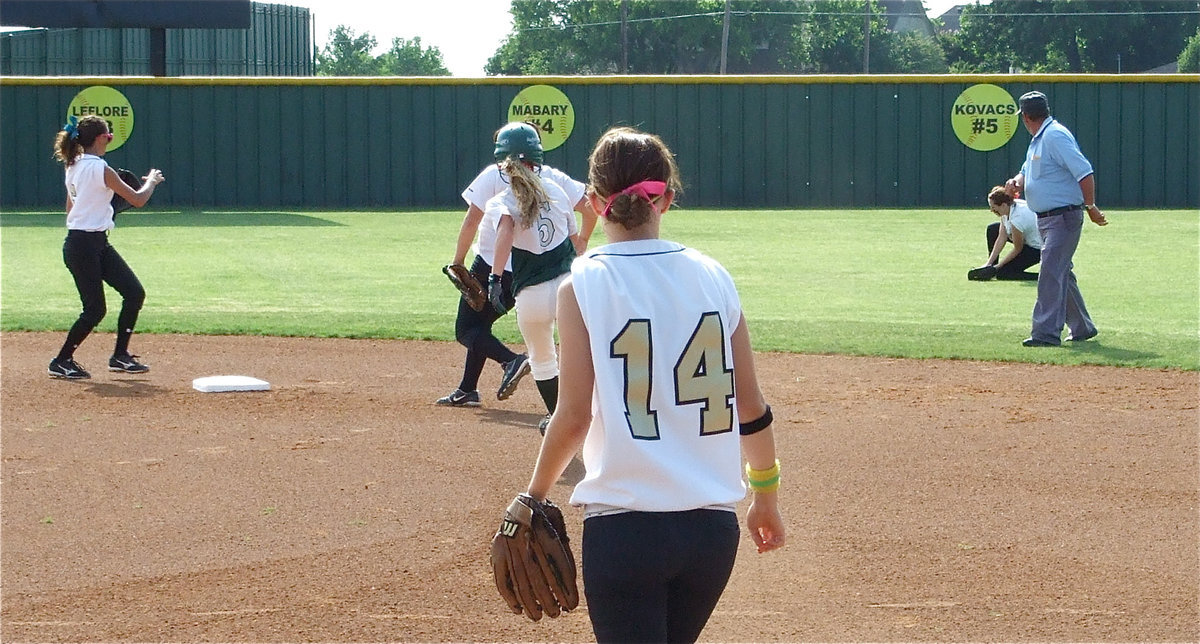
(527, 188)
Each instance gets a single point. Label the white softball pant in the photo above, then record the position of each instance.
(536, 314)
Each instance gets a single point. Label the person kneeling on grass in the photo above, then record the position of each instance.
(1018, 225)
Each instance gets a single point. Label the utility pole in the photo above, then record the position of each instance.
(625, 36)
(867, 40)
(725, 39)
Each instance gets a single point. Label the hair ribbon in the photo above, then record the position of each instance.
(71, 128)
(648, 190)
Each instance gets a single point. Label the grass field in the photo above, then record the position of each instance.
(861, 282)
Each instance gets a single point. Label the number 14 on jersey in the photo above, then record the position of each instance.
(701, 376)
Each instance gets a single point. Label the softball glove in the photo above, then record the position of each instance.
(465, 282)
(119, 205)
(532, 561)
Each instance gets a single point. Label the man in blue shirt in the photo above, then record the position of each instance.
(1059, 185)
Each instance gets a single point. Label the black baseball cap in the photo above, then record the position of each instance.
(1034, 104)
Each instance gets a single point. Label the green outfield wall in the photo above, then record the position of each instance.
(742, 142)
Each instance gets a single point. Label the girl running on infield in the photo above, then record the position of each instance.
(536, 226)
(92, 261)
(655, 345)
(473, 329)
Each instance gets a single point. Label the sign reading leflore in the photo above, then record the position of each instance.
(111, 105)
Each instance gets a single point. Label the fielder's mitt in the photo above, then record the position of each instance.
(466, 284)
(532, 561)
(119, 205)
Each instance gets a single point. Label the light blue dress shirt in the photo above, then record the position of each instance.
(1053, 168)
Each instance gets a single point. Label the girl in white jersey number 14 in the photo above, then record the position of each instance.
(653, 332)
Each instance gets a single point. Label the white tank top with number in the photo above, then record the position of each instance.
(664, 428)
(91, 199)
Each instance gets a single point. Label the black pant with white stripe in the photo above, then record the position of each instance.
(93, 262)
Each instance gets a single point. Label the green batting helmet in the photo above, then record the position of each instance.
(519, 140)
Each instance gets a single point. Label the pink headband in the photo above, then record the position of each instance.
(647, 190)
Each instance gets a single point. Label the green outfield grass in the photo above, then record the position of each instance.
(863, 282)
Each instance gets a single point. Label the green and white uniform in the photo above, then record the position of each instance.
(541, 260)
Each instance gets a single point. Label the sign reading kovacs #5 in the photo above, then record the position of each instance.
(109, 104)
(547, 109)
(984, 117)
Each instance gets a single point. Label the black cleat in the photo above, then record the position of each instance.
(68, 369)
(459, 398)
(127, 364)
(513, 372)
(981, 274)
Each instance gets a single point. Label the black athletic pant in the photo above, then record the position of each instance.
(93, 262)
(656, 576)
(1014, 270)
(473, 329)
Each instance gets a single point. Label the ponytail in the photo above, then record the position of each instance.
(630, 211)
(76, 136)
(998, 195)
(527, 188)
(630, 170)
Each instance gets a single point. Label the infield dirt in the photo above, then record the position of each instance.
(926, 500)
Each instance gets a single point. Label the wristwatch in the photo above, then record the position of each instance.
(1088, 206)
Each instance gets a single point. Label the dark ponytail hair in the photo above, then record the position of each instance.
(999, 195)
(76, 136)
(625, 156)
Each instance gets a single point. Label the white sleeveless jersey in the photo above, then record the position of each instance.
(91, 199)
(664, 434)
(491, 182)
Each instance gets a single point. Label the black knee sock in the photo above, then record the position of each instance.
(75, 337)
(122, 346)
(125, 323)
(549, 391)
(472, 367)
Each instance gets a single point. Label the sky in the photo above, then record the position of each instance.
(467, 32)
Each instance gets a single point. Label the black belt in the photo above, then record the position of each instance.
(1059, 211)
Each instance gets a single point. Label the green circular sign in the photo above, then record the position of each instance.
(108, 103)
(984, 117)
(547, 109)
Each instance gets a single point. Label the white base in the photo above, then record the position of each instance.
(229, 383)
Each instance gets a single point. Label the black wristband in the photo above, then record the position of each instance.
(756, 426)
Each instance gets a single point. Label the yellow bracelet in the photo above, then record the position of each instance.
(762, 475)
(763, 480)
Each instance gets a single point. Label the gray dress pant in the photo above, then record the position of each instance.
(1059, 301)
